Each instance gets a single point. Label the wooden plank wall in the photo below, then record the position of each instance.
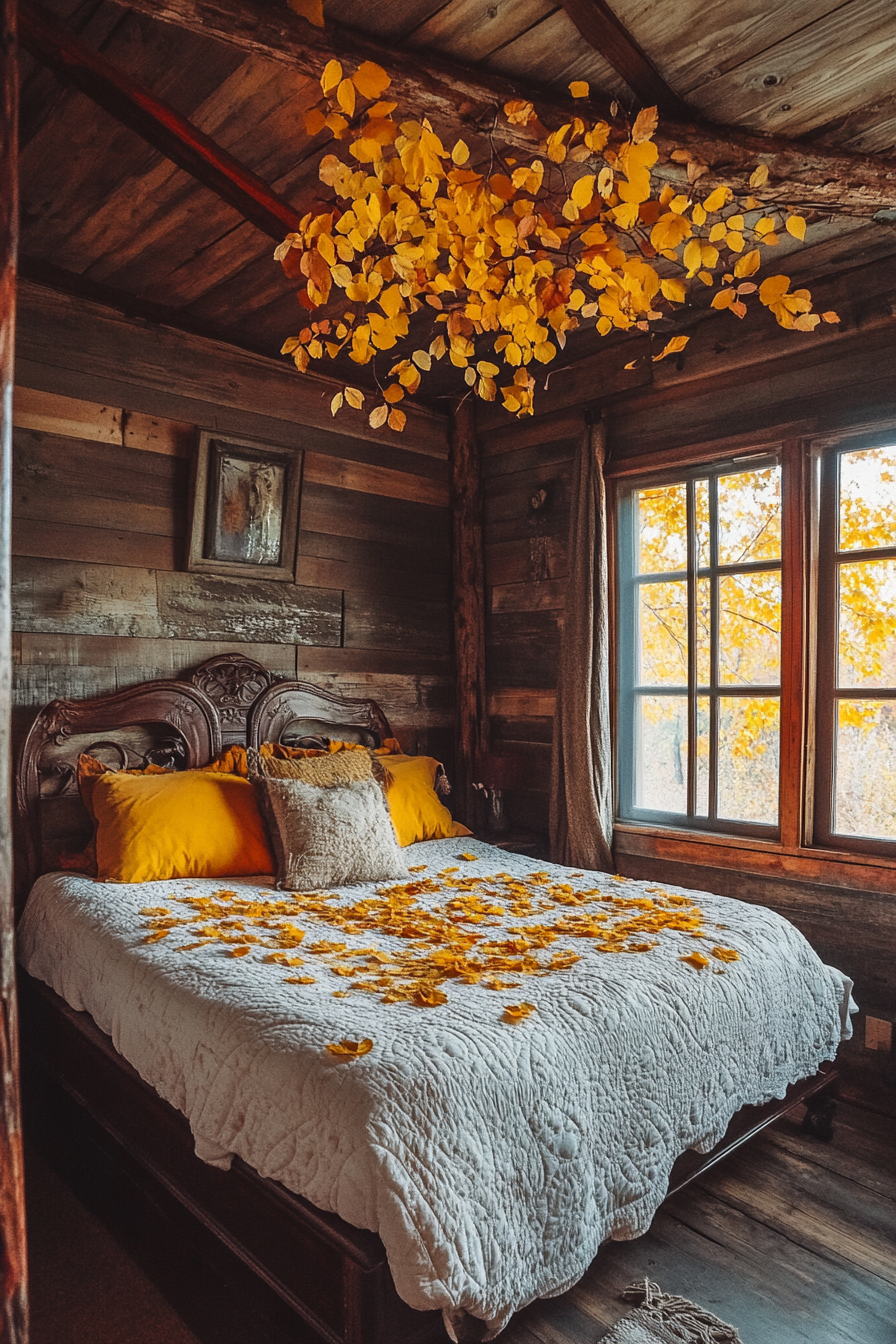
(107, 412)
(743, 396)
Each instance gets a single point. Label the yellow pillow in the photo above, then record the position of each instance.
(191, 823)
(417, 813)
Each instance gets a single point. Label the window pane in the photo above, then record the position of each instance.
(867, 623)
(704, 646)
(750, 516)
(748, 758)
(750, 629)
(662, 753)
(663, 634)
(662, 523)
(868, 499)
(702, 799)
(701, 510)
(865, 769)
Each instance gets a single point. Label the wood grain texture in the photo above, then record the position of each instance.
(13, 1252)
(468, 603)
(601, 28)
(456, 96)
(156, 121)
(197, 606)
(188, 378)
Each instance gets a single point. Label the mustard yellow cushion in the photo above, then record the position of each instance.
(193, 823)
(417, 813)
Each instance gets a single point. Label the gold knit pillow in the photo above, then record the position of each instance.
(324, 772)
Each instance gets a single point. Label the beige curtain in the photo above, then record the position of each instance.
(582, 768)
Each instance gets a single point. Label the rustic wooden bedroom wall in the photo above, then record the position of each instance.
(107, 413)
(733, 392)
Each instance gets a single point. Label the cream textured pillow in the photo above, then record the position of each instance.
(329, 837)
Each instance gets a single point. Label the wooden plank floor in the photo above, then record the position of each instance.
(793, 1241)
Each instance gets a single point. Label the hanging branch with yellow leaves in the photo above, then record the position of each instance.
(511, 256)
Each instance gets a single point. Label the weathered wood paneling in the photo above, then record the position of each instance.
(101, 510)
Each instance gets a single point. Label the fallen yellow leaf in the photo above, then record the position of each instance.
(517, 1012)
(345, 1049)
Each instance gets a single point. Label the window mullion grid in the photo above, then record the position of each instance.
(713, 647)
(692, 646)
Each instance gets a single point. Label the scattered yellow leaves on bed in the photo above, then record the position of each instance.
(696, 959)
(518, 1012)
(454, 927)
(350, 1049)
(726, 954)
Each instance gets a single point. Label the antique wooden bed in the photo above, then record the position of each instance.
(238, 1255)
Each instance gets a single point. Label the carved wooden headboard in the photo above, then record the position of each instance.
(179, 724)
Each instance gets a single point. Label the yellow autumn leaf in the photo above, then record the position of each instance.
(580, 88)
(517, 1012)
(336, 403)
(696, 959)
(669, 230)
(460, 153)
(299, 980)
(345, 1049)
(605, 182)
(397, 419)
(748, 264)
(378, 417)
(312, 10)
(583, 190)
(796, 226)
(717, 199)
(645, 125)
(315, 121)
(423, 360)
(331, 76)
(672, 347)
(238, 951)
(674, 290)
(345, 96)
(759, 176)
(427, 996)
(470, 858)
(773, 289)
(519, 112)
(371, 80)
(393, 392)
(726, 954)
(355, 397)
(830, 317)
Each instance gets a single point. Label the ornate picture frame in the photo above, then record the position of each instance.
(245, 508)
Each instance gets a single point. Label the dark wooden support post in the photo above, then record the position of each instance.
(600, 27)
(166, 130)
(469, 606)
(14, 1312)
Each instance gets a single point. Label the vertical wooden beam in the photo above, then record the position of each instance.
(13, 1265)
(469, 605)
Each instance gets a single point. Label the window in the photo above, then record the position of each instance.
(856, 717)
(726, 637)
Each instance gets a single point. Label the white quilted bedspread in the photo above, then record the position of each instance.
(492, 1158)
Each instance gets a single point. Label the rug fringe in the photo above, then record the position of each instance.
(682, 1319)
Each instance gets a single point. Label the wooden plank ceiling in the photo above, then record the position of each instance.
(103, 213)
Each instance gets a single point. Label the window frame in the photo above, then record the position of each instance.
(628, 583)
(805, 849)
(828, 693)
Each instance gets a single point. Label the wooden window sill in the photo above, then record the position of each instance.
(823, 867)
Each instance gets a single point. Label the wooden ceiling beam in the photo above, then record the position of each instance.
(462, 100)
(165, 129)
(603, 31)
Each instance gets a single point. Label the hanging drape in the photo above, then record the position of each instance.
(581, 768)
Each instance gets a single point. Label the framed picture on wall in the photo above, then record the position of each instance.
(245, 508)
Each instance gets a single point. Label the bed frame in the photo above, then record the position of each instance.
(239, 1256)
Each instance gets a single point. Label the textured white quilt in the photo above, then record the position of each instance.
(492, 1157)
